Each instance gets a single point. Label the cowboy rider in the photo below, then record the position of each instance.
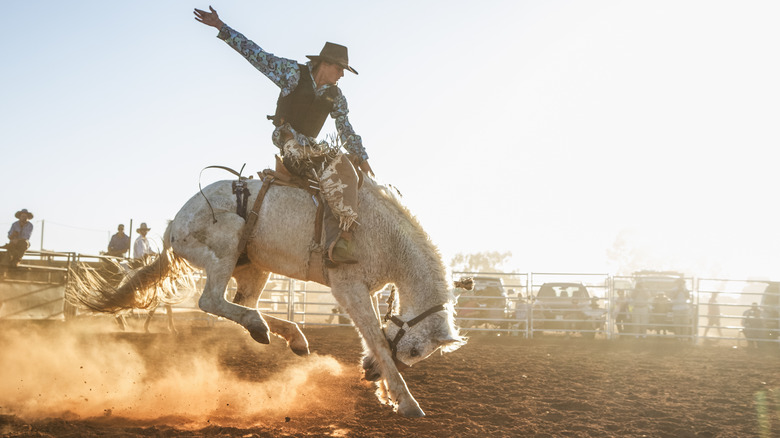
(308, 95)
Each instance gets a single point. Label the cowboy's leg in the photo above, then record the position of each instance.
(338, 183)
(16, 250)
(339, 187)
(297, 150)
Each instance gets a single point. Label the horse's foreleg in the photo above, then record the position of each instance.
(358, 304)
(250, 283)
(213, 301)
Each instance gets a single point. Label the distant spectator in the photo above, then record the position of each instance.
(660, 309)
(713, 315)
(753, 326)
(19, 237)
(621, 311)
(142, 250)
(120, 242)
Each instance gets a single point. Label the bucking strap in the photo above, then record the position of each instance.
(251, 219)
(242, 195)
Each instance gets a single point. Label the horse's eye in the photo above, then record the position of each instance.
(414, 353)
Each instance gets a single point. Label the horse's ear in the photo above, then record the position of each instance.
(465, 283)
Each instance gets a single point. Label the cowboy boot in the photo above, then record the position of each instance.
(339, 245)
(342, 251)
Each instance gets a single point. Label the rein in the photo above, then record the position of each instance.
(404, 326)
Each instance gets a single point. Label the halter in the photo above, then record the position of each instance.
(403, 326)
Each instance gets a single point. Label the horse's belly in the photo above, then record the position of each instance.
(284, 232)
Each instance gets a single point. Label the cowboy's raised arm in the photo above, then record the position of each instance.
(281, 71)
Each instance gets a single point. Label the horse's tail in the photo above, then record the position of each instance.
(167, 280)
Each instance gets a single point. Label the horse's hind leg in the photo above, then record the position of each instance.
(149, 316)
(121, 322)
(169, 315)
(171, 325)
(213, 301)
(290, 332)
(250, 283)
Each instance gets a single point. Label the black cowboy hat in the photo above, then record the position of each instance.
(335, 54)
(24, 210)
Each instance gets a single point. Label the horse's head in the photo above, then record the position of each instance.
(419, 336)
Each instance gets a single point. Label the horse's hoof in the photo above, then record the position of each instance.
(260, 336)
(413, 411)
(370, 369)
(259, 331)
(300, 351)
(298, 344)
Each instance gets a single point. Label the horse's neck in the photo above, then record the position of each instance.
(416, 267)
(416, 297)
(421, 276)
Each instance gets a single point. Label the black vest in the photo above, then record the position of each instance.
(302, 109)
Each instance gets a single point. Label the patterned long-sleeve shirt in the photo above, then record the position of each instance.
(285, 73)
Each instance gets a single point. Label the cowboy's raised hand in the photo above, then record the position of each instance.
(209, 18)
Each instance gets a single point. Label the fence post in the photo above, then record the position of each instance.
(609, 297)
(291, 301)
(695, 311)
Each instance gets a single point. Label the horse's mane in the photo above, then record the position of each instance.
(389, 198)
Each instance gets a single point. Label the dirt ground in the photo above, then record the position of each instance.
(87, 379)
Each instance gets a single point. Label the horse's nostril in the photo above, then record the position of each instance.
(414, 352)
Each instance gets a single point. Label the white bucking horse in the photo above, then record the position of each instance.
(389, 242)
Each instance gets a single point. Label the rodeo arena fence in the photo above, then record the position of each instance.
(645, 304)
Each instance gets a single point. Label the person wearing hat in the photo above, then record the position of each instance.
(308, 95)
(19, 236)
(141, 248)
(120, 242)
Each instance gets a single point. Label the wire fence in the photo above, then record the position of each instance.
(645, 305)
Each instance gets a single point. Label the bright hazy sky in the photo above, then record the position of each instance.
(544, 128)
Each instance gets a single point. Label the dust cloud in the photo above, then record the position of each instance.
(74, 374)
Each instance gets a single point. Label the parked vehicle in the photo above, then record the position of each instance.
(664, 298)
(486, 305)
(567, 307)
